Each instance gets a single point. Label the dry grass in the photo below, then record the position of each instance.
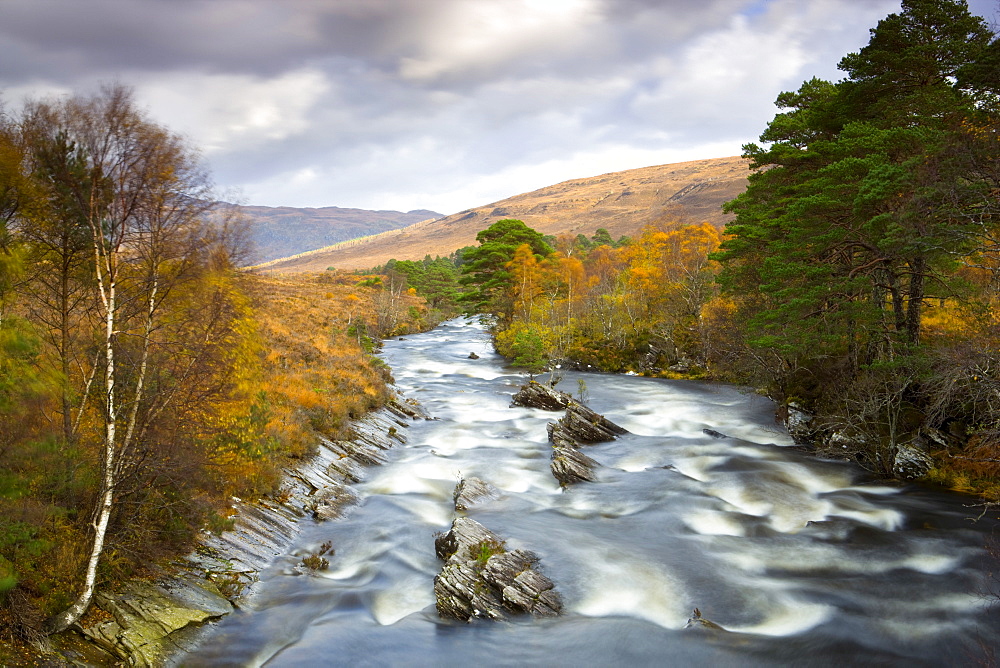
(316, 374)
(622, 202)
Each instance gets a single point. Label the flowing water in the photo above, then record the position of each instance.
(801, 561)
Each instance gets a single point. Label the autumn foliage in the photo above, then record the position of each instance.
(633, 307)
(144, 380)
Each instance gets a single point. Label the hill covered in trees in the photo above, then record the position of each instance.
(620, 202)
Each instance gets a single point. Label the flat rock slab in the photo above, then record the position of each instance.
(537, 395)
(481, 579)
(146, 617)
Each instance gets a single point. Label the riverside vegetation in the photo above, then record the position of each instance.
(144, 381)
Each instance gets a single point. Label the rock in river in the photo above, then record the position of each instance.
(570, 466)
(585, 426)
(910, 462)
(537, 395)
(472, 491)
(482, 579)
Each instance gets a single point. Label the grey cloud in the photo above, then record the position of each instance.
(319, 102)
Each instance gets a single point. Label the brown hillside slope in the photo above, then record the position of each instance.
(622, 202)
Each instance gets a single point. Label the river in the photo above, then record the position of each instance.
(801, 561)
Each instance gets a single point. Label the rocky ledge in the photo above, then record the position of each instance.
(909, 457)
(143, 623)
(481, 579)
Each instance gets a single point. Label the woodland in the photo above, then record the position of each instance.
(145, 380)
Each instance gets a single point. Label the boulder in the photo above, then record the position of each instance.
(482, 579)
(537, 395)
(473, 356)
(910, 462)
(713, 433)
(799, 424)
(472, 491)
(585, 426)
(570, 466)
(464, 533)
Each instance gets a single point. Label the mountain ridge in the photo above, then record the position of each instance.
(283, 231)
(622, 202)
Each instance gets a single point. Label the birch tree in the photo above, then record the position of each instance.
(142, 209)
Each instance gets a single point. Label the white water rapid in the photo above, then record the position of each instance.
(800, 561)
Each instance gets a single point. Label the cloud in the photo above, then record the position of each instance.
(236, 112)
(439, 104)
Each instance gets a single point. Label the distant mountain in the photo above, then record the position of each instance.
(622, 202)
(283, 231)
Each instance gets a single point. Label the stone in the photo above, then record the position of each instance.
(713, 433)
(910, 462)
(481, 579)
(407, 409)
(569, 466)
(473, 356)
(585, 426)
(538, 395)
(799, 424)
(697, 621)
(473, 491)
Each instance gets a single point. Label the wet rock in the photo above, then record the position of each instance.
(697, 621)
(482, 579)
(537, 395)
(570, 466)
(559, 437)
(799, 423)
(473, 491)
(464, 533)
(407, 409)
(145, 621)
(585, 426)
(713, 433)
(473, 356)
(330, 502)
(910, 462)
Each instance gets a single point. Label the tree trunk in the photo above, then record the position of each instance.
(916, 301)
(72, 614)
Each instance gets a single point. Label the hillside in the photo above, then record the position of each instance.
(623, 202)
(283, 231)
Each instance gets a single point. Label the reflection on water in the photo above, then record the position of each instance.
(801, 561)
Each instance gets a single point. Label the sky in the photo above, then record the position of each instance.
(436, 104)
